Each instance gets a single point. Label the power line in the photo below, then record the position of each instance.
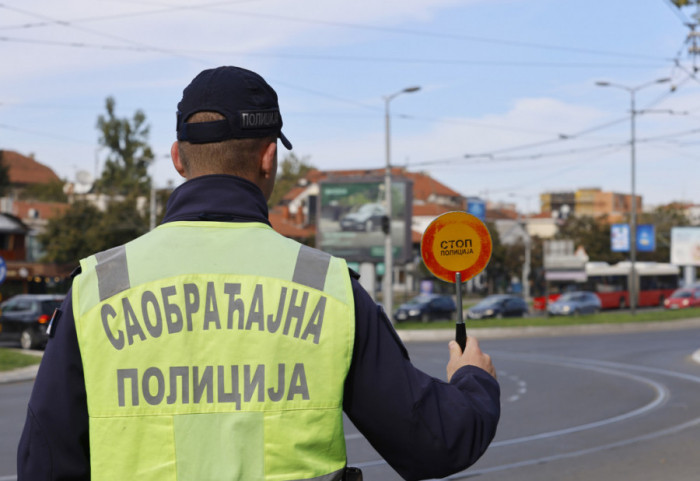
(348, 25)
(137, 47)
(44, 134)
(51, 22)
(98, 33)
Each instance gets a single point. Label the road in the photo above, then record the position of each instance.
(604, 407)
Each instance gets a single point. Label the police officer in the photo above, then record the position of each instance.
(214, 348)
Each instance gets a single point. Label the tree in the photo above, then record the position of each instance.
(84, 230)
(48, 192)
(121, 223)
(593, 234)
(126, 168)
(290, 170)
(663, 218)
(497, 275)
(69, 238)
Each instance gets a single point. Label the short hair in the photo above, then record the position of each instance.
(233, 156)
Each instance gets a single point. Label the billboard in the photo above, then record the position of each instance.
(350, 214)
(646, 238)
(685, 246)
(620, 238)
(477, 208)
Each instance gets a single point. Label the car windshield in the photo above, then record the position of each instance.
(420, 299)
(570, 296)
(682, 294)
(368, 208)
(490, 301)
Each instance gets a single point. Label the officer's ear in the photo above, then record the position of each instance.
(268, 162)
(268, 169)
(177, 162)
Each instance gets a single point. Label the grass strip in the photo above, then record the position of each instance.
(10, 359)
(605, 317)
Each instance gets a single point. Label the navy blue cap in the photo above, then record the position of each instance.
(247, 102)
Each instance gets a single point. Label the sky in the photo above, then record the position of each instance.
(508, 106)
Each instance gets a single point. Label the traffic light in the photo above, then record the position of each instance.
(385, 224)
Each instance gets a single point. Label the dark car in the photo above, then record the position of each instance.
(498, 306)
(573, 303)
(684, 297)
(366, 218)
(25, 317)
(426, 307)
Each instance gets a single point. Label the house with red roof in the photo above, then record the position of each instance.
(21, 219)
(295, 216)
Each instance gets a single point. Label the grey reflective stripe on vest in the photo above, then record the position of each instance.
(336, 476)
(112, 272)
(311, 268)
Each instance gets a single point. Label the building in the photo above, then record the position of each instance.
(592, 202)
(21, 220)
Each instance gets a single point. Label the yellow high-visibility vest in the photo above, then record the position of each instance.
(215, 351)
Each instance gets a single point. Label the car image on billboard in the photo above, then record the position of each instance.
(352, 215)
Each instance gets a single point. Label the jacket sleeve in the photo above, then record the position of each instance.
(55, 442)
(422, 426)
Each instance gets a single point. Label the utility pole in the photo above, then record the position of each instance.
(388, 294)
(633, 281)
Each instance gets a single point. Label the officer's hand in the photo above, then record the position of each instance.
(472, 356)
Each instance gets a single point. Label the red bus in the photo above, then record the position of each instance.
(655, 283)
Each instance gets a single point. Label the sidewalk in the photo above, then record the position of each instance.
(430, 335)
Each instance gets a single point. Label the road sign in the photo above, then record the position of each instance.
(456, 242)
(455, 247)
(3, 270)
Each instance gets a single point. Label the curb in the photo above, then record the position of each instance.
(546, 331)
(18, 375)
(27, 373)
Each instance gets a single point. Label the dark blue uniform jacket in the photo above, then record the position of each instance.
(422, 426)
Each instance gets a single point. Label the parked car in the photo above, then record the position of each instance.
(25, 317)
(684, 297)
(572, 303)
(365, 219)
(426, 307)
(498, 306)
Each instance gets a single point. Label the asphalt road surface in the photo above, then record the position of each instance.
(604, 407)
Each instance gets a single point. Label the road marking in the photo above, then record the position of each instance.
(612, 368)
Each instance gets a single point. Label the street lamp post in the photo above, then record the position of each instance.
(633, 211)
(525, 276)
(388, 249)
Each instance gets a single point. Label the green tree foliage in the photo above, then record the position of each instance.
(72, 236)
(664, 218)
(497, 275)
(49, 192)
(4, 176)
(593, 234)
(290, 170)
(84, 230)
(126, 168)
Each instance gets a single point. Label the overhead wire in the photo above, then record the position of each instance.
(137, 46)
(350, 25)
